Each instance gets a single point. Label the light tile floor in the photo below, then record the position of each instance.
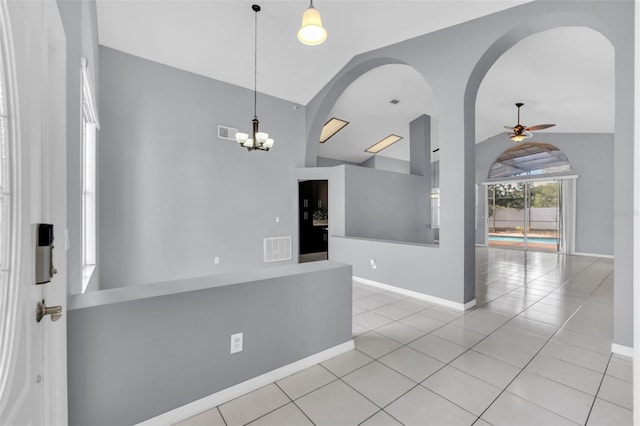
(536, 350)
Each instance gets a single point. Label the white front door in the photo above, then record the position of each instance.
(33, 355)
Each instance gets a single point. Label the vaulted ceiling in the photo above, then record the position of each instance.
(563, 76)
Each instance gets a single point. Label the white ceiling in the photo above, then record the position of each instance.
(366, 105)
(563, 76)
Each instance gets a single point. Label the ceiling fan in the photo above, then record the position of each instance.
(520, 132)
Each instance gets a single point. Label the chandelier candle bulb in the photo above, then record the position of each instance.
(262, 137)
(241, 138)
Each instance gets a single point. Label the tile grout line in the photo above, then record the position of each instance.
(538, 352)
(221, 416)
(467, 349)
(493, 332)
(470, 348)
(595, 398)
(271, 411)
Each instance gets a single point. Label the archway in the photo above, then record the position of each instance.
(388, 99)
(328, 97)
(382, 101)
(603, 23)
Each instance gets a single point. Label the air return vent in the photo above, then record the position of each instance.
(277, 249)
(228, 133)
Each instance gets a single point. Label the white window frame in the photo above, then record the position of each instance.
(435, 208)
(90, 127)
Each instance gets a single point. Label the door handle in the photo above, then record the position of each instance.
(42, 310)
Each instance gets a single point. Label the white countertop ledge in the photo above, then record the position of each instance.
(376, 240)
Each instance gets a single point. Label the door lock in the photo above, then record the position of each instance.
(42, 310)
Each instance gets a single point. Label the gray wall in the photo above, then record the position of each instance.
(81, 29)
(397, 265)
(331, 162)
(176, 195)
(374, 162)
(385, 205)
(140, 357)
(591, 157)
(389, 164)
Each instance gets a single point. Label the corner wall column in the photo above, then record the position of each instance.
(420, 162)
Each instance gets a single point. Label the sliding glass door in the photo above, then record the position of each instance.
(524, 215)
(544, 218)
(507, 215)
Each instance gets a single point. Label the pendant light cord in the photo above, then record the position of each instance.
(255, 67)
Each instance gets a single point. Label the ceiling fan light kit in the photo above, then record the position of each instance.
(312, 32)
(520, 132)
(258, 140)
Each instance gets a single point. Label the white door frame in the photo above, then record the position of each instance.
(538, 178)
(33, 381)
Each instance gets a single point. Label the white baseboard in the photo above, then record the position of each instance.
(213, 400)
(421, 296)
(606, 256)
(622, 350)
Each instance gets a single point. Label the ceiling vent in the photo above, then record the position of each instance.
(228, 133)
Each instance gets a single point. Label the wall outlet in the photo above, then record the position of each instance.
(277, 219)
(236, 343)
(216, 260)
(373, 264)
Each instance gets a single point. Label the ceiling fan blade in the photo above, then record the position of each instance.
(508, 127)
(540, 126)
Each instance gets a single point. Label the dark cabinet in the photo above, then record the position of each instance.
(314, 216)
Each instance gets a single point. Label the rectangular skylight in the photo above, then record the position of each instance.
(384, 143)
(331, 127)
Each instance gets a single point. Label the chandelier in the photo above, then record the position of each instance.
(258, 140)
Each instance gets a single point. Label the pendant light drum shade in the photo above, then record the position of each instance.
(312, 33)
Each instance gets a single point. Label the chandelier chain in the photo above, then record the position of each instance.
(255, 67)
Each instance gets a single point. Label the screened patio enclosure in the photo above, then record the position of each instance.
(529, 199)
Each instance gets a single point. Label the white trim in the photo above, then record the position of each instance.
(622, 350)
(532, 178)
(480, 245)
(9, 322)
(213, 400)
(636, 222)
(421, 296)
(88, 89)
(485, 222)
(606, 256)
(573, 218)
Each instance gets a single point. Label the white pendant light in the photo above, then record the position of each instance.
(259, 140)
(311, 32)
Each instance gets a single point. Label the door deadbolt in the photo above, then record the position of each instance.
(42, 310)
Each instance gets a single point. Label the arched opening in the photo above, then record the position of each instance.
(529, 159)
(380, 102)
(620, 227)
(582, 107)
(387, 188)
